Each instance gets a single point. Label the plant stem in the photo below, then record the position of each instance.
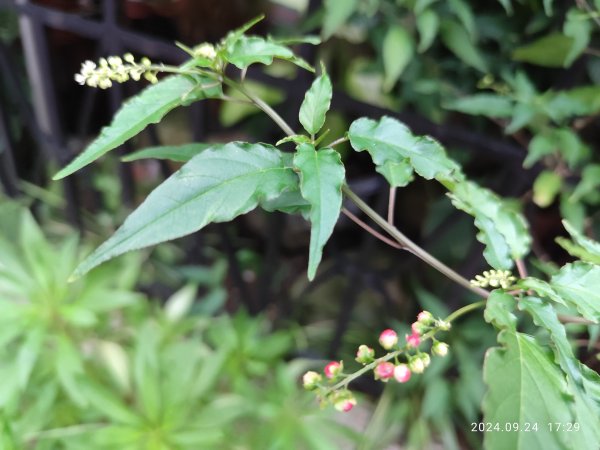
(404, 241)
(337, 141)
(370, 230)
(411, 246)
(451, 318)
(262, 105)
(391, 205)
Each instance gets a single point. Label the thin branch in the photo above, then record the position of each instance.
(391, 205)
(337, 142)
(521, 268)
(574, 319)
(411, 246)
(370, 230)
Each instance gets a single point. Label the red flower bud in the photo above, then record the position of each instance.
(384, 371)
(333, 369)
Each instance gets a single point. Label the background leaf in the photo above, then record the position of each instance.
(398, 50)
(337, 12)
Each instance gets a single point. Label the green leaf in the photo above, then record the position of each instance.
(584, 248)
(397, 174)
(488, 105)
(428, 24)
(397, 52)
(456, 38)
(545, 316)
(503, 231)
(499, 310)
(545, 188)
(236, 34)
(590, 180)
(579, 284)
(507, 5)
(337, 12)
(525, 387)
(389, 141)
(249, 50)
(321, 179)
(462, 10)
(149, 106)
(217, 185)
(579, 29)
(586, 405)
(548, 51)
(108, 404)
(296, 138)
(316, 104)
(178, 153)
(542, 288)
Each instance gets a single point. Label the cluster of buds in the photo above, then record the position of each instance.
(495, 279)
(400, 362)
(117, 69)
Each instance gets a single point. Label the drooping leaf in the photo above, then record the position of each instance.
(316, 104)
(337, 12)
(178, 153)
(578, 283)
(249, 50)
(428, 24)
(488, 105)
(321, 179)
(389, 141)
(501, 228)
(542, 288)
(397, 52)
(149, 106)
(525, 388)
(456, 38)
(217, 185)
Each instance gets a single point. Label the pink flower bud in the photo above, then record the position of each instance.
(365, 354)
(388, 339)
(413, 340)
(345, 404)
(401, 373)
(384, 371)
(310, 380)
(333, 369)
(440, 348)
(425, 317)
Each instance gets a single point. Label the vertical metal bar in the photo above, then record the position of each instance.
(8, 172)
(45, 104)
